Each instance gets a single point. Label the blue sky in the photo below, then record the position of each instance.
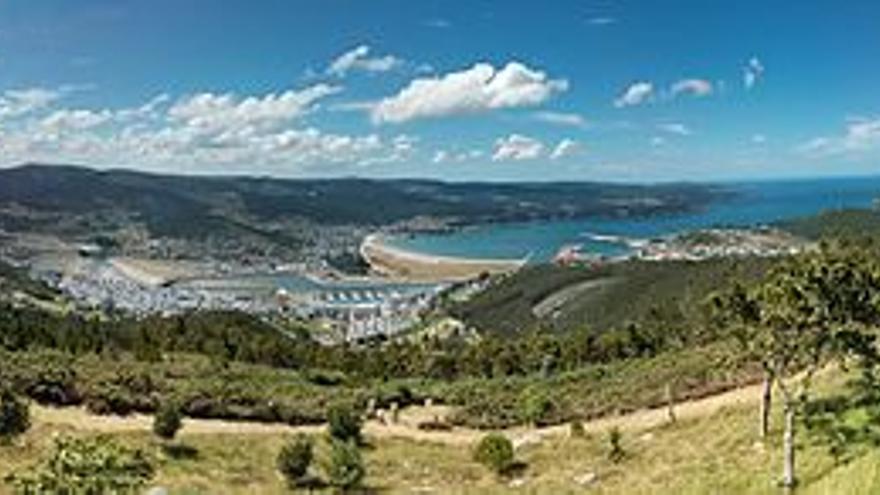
(513, 90)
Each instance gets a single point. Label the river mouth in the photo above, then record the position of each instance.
(753, 204)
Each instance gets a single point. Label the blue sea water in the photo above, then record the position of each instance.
(755, 203)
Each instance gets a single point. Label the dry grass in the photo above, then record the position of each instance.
(713, 453)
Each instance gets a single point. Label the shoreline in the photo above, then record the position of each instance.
(401, 264)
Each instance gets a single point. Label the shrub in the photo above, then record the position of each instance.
(345, 469)
(576, 429)
(344, 423)
(615, 449)
(86, 465)
(495, 451)
(14, 415)
(534, 406)
(167, 421)
(295, 457)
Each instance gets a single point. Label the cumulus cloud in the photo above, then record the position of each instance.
(517, 147)
(561, 118)
(18, 102)
(74, 120)
(206, 130)
(694, 87)
(860, 135)
(565, 148)
(444, 156)
(211, 112)
(359, 58)
(752, 72)
(636, 94)
(480, 88)
(601, 20)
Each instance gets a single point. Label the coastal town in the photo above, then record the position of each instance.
(400, 289)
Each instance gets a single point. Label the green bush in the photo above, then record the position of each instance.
(576, 429)
(295, 457)
(94, 465)
(168, 420)
(344, 423)
(615, 447)
(535, 405)
(345, 469)
(14, 415)
(495, 451)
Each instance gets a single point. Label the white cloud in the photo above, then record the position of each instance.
(658, 141)
(517, 147)
(861, 135)
(636, 94)
(63, 120)
(213, 112)
(478, 89)
(566, 147)
(675, 128)
(359, 58)
(601, 21)
(19, 102)
(561, 118)
(752, 72)
(444, 156)
(695, 87)
(759, 138)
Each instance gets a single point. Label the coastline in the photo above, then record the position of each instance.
(412, 266)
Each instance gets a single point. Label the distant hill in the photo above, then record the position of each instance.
(193, 206)
(332, 201)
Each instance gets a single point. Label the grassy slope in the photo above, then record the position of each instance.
(637, 288)
(711, 454)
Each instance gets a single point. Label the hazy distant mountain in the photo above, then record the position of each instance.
(165, 200)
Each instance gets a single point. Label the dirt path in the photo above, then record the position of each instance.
(407, 426)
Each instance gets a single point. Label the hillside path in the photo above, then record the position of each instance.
(77, 418)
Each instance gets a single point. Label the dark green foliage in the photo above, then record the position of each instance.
(15, 416)
(345, 467)
(576, 429)
(344, 423)
(615, 445)
(495, 451)
(167, 420)
(295, 457)
(86, 465)
(535, 406)
(837, 224)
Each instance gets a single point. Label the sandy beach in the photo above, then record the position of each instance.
(412, 266)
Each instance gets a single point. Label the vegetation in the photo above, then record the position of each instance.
(294, 459)
(88, 466)
(344, 423)
(167, 421)
(345, 469)
(809, 310)
(14, 416)
(495, 451)
(615, 445)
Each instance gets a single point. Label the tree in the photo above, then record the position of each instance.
(534, 405)
(344, 423)
(14, 416)
(295, 457)
(495, 451)
(345, 469)
(811, 309)
(167, 421)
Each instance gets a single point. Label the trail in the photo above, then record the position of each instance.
(76, 418)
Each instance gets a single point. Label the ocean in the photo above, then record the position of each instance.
(756, 203)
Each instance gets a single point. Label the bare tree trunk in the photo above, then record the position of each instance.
(670, 403)
(766, 401)
(788, 476)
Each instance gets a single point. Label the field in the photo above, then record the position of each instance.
(708, 450)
